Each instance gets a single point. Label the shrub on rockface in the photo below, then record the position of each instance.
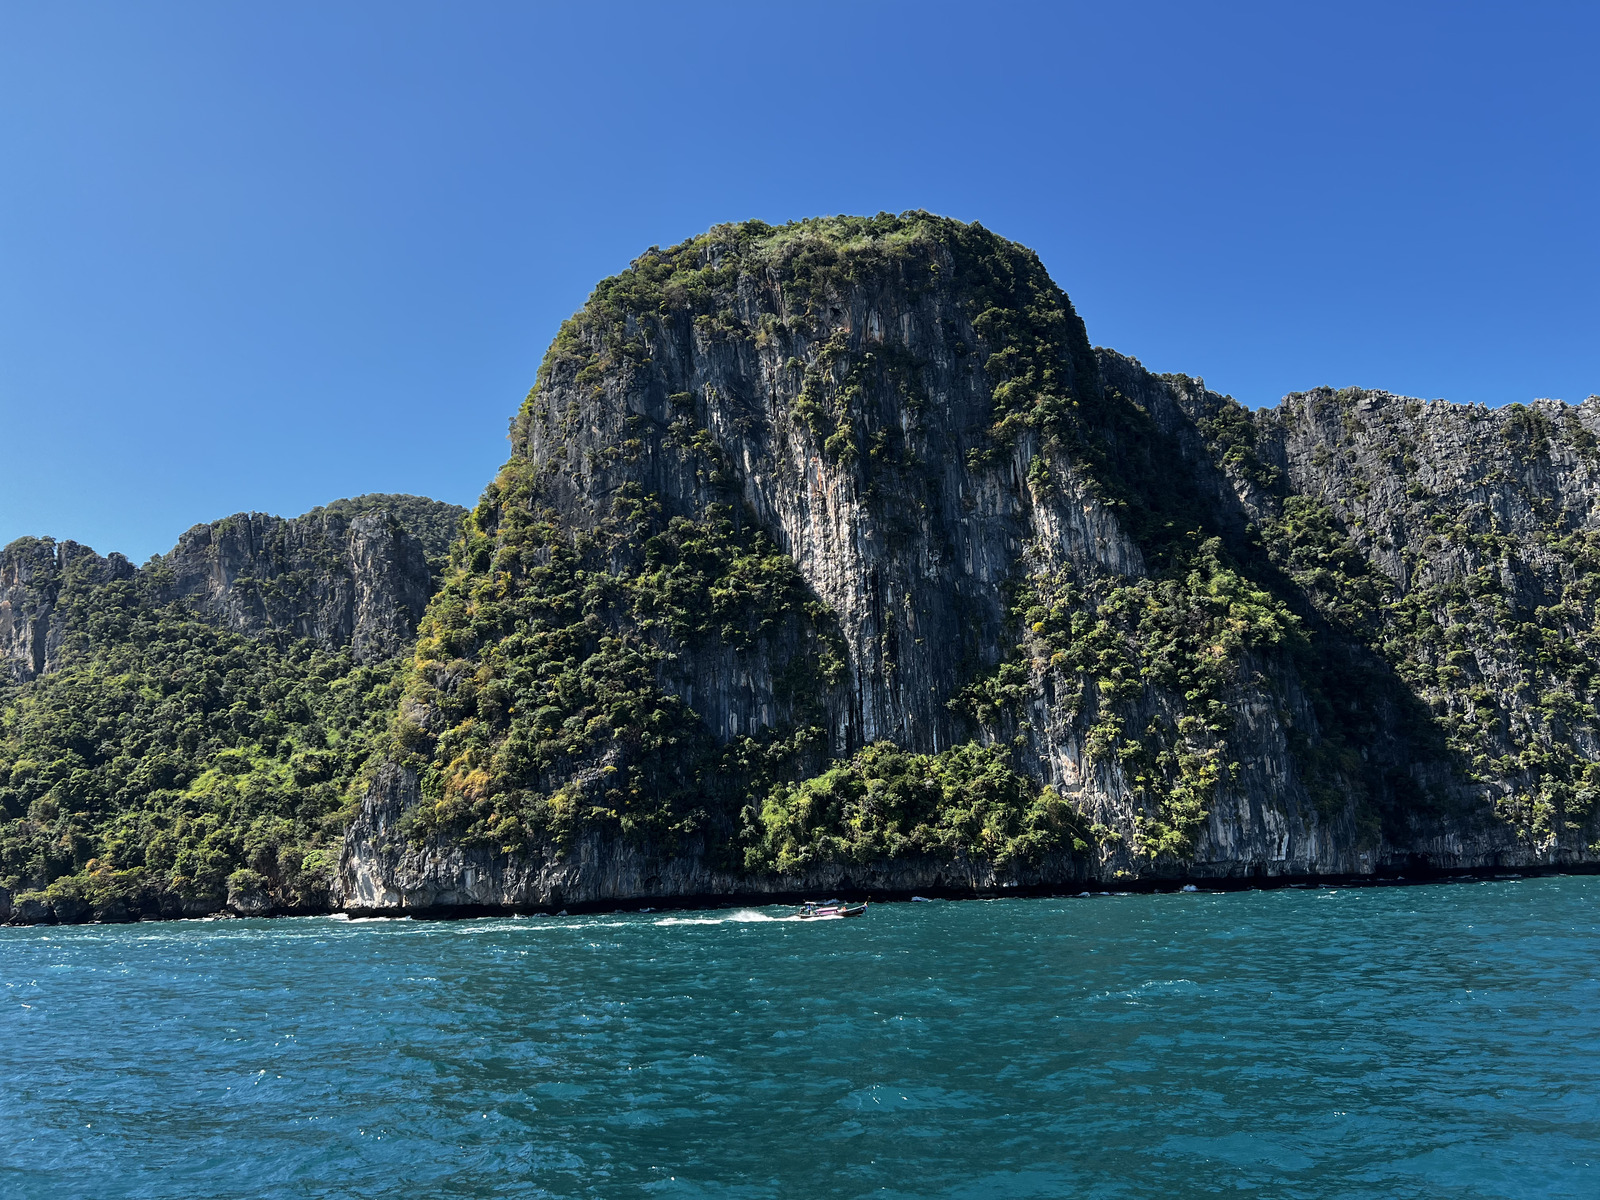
(884, 802)
(1112, 648)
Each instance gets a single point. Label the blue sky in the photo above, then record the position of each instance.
(257, 257)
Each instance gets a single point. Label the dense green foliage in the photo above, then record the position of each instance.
(1507, 664)
(166, 762)
(884, 802)
(538, 703)
(167, 755)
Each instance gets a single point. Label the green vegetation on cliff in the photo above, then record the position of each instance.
(1107, 645)
(169, 754)
(167, 762)
(437, 526)
(1487, 635)
(1046, 564)
(538, 705)
(886, 803)
(1149, 665)
(595, 628)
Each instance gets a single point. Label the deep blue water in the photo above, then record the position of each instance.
(1382, 1042)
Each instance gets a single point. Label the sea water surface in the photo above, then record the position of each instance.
(1377, 1042)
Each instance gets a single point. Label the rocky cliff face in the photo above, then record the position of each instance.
(1478, 531)
(1298, 642)
(838, 421)
(356, 577)
(33, 574)
(384, 869)
(361, 582)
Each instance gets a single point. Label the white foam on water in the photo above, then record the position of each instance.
(740, 916)
(1147, 987)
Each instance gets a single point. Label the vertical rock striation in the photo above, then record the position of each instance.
(34, 572)
(361, 581)
(354, 575)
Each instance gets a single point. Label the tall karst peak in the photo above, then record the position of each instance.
(832, 552)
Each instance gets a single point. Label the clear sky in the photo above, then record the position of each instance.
(260, 256)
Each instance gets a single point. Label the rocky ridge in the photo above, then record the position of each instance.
(360, 581)
(356, 577)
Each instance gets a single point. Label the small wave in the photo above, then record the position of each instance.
(1148, 986)
(890, 1098)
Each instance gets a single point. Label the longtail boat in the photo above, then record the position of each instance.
(829, 910)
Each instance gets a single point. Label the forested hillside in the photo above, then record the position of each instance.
(196, 730)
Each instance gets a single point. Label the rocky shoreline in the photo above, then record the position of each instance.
(31, 911)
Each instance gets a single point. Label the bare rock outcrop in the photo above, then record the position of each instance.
(353, 575)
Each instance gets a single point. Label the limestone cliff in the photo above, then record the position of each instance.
(1180, 620)
(354, 575)
(361, 582)
(33, 573)
(832, 556)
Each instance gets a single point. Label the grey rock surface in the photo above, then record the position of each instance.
(71, 910)
(32, 910)
(34, 575)
(351, 576)
(249, 901)
(382, 872)
(360, 582)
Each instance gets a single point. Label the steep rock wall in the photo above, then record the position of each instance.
(34, 572)
(361, 582)
(351, 575)
(1480, 533)
(1022, 544)
(891, 531)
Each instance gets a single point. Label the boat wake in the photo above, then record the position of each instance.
(743, 916)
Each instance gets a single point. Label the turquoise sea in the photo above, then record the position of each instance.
(1375, 1042)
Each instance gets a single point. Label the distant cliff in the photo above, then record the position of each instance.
(32, 574)
(359, 581)
(832, 554)
(185, 735)
(355, 574)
